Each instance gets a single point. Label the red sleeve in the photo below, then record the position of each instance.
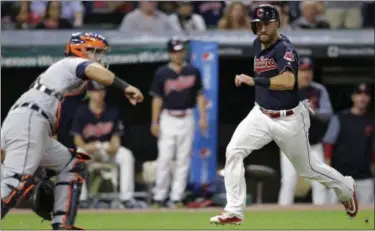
(328, 150)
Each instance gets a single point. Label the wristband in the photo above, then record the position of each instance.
(119, 83)
(263, 82)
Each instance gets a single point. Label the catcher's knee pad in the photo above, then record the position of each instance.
(67, 216)
(19, 187)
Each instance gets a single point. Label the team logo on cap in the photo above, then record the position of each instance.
(260, 12)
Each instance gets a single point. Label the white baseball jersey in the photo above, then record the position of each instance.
(65, 76)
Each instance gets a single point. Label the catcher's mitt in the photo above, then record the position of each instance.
(43, 199)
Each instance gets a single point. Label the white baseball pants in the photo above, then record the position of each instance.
(125, 159)
(174, 146)
(291, 135)
(289, 179)
(364, 192)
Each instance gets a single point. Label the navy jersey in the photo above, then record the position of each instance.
(352, 139)
(178, 90)
(270, 62)
(92, 127)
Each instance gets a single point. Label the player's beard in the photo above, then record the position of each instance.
(267, 39)
(264, 38)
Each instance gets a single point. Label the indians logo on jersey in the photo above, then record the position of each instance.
(97, 130)
(179, 84)
(264, 64)
(289, 56)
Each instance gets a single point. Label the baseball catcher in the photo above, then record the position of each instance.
(26, 134)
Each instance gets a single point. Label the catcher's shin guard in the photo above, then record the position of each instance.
(69, 182)
(17, 193)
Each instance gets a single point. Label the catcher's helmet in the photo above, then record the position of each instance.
(264, 12)
(79, 43)
(175, 44)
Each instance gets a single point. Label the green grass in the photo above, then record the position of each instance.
(286, 220)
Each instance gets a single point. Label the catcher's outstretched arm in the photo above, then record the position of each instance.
(97, 72)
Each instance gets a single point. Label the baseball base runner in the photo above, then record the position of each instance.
(277, 115)
(26, 134)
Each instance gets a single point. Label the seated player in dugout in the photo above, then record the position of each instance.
(176, 89)
(97, 129)
(348, 144)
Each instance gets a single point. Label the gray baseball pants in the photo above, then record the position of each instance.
(26, 138)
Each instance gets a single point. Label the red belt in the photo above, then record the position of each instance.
(276, 114)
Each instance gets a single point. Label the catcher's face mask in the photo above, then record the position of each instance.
(98, 55)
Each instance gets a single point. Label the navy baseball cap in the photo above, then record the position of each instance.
(305, 63)
(175, 44)
(362, 88)
(95, 86)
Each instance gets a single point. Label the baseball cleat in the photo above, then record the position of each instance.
(58, 226)
(351, 205)
(226, 218)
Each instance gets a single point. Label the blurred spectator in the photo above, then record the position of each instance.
(211, 11)
(73, 11)
(52, 19)
(236, 17)
(283, 9)
(368, 12)
(185, 20)
(321, 8)
(310, 18)
(344, 14)
(147, 18)
(294, 10)
(20, 17)
(106, 13)
(108, 6)
(168, 7)
(348, 144)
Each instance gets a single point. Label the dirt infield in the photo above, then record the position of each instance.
(255, 208)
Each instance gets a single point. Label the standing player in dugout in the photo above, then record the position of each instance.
(176, 89)
(26, 134)
(348, 144)
(278, 115)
